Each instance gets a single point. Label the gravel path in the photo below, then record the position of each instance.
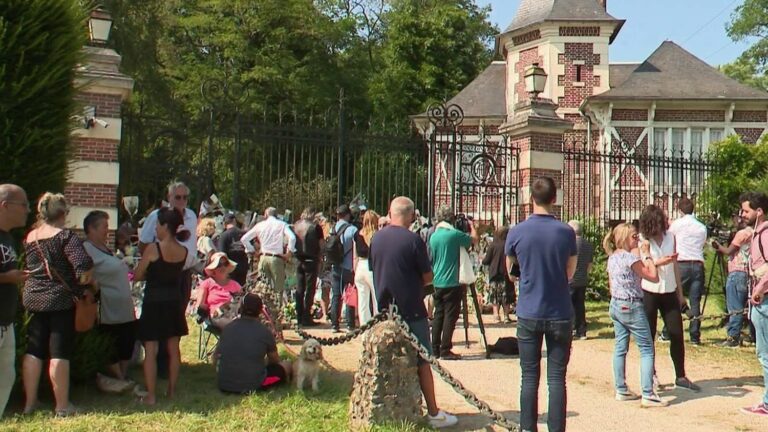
(591, 407)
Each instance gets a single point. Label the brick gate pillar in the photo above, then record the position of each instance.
(94, 167)
(536, 131)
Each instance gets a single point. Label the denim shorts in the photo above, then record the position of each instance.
(420, 329)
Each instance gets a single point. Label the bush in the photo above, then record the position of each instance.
(40, 47)
(739, 167)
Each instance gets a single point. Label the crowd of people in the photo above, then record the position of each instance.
(356, 263)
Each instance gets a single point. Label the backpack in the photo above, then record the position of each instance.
(506, 346)
(334, 247)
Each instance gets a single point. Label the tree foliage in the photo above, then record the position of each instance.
(745, 70)
(40, 47)
(740, 167)
(750, 21)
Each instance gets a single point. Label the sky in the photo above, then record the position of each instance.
(696, 25)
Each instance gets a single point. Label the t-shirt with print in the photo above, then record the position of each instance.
(738, 261)
(444, 247)
(9, 293)
(542, 245)
(398, 259)
(625, 283)
(219, 295)
(243, 348)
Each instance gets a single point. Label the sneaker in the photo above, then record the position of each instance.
(582, 336)
(662, 338)
(731, 342)
(653, 401)
(759, 409)
(336, 330)
(628, 396)
(685, 383)
(442, 419)
(696, 342)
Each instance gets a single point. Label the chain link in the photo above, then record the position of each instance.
(714, 317)
(338, 340)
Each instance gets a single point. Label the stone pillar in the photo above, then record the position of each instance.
(536, 131)
(386, 387)
(94, 168)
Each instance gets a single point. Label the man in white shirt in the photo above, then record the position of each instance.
(690, 237)
(271, 234)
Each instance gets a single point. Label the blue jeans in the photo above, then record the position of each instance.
(530, 334)
(760, 320)
(736, 293)
(692, 278)
(340, 278)
(629, 318)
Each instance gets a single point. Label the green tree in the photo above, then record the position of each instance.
(739, 168)
(745, 70)
(40, 47)
(431, 50)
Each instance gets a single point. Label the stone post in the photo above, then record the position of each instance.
(386, 387)
(536, 131)
(94, 166)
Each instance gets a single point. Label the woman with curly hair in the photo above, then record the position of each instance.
(666, 295)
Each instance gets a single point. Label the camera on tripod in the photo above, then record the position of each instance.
(719, 231)
(463, 223)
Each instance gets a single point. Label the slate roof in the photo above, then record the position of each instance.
(671, 73)
(485, 96)
(619, 73)
(531, 12)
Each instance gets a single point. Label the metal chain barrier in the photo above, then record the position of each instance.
(714, 317)
(392, 314)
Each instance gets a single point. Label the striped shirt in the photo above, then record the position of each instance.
(585, 253)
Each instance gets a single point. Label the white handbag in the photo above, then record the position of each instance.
(466, 271)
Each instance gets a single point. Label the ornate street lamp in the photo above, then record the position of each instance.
(99, 26)
(535, 80)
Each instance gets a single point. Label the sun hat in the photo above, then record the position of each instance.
(217, 259)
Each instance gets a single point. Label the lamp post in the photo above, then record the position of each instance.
(99, 26)
(535, 80)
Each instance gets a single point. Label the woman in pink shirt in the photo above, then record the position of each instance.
(217, 290)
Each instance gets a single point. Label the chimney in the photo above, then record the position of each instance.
(603, 3)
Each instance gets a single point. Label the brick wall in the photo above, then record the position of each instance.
(582, 52)
(107, 105)
(526, 37)
(527, 58)
(91, 194)
(749, 135)
(750, 116)
(95, 149)
(690, 115)
(629, 115)
(580, 31)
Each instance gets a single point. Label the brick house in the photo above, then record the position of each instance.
(670, 106)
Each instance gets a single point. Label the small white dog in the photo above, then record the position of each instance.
(308, 364)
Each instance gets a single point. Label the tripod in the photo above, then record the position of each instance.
(478, 315)
(719, 267)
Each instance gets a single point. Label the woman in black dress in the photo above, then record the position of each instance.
(162, 316)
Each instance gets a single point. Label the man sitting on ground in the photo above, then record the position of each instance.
(243, 347)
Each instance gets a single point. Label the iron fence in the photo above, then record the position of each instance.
(607, 185)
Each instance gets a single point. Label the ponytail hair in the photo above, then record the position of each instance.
(51, 207)
(618, 237)
(173, 219)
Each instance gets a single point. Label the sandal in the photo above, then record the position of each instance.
(69, 411)
(35, 406)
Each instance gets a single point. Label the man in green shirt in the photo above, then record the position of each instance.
(444, 246)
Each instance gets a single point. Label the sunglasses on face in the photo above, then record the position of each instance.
(635, 236)
(181, 197)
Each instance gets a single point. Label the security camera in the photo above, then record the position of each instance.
(100, 122)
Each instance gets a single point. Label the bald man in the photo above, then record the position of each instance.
(401, 270)
(14, 209)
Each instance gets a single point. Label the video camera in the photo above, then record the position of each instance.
(718, 230)
(463, 223)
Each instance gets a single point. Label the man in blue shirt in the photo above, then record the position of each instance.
(545, 249)
(343, 274)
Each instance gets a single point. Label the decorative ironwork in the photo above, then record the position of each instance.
(444, 115)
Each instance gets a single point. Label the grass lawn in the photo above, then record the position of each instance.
(199, 406)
